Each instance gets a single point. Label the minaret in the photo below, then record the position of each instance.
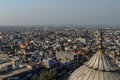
(99, 67)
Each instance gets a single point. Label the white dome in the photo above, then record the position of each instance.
(100, 67)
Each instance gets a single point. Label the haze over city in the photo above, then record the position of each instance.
(37, 12)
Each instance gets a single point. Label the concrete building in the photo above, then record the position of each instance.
(66, 56)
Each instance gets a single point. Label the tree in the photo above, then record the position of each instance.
(47, 75)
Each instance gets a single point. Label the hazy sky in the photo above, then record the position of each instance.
(36, 12)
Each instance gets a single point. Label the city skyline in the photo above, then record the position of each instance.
(37, 12)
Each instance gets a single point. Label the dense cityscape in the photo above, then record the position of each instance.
(54, 52)
(59, 39)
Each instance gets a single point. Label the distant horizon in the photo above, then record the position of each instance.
(57, 24)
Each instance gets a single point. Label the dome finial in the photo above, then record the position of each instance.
(100, 46)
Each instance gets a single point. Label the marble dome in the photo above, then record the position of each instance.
(100, 67)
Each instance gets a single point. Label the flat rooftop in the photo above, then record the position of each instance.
(15, 72)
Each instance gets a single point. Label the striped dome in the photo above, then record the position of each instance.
(100, 67)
